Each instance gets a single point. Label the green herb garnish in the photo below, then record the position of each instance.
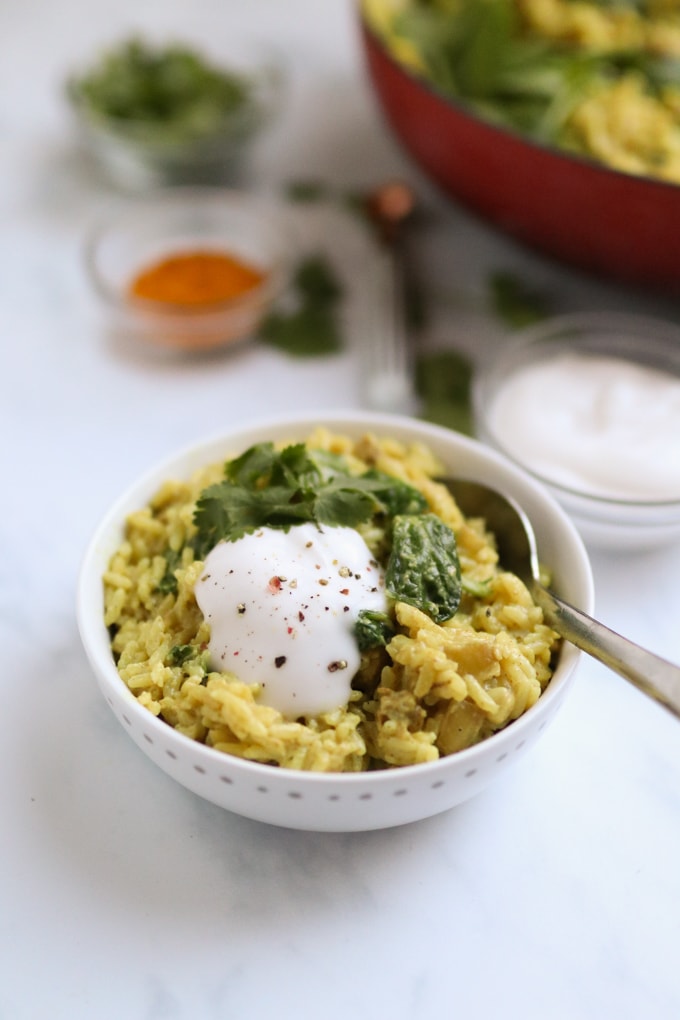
(265, 487)
(478, 589)
(515, 302)
(179, 654)
(396, 497)
(311, 327)
(373, 630)
(307, 191)
(317, 283)
(168, 582)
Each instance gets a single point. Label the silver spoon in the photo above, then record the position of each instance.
(518, 553)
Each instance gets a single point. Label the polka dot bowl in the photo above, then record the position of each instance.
(351, 801)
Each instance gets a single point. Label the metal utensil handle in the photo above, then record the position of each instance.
(388, 359)
(651, 674)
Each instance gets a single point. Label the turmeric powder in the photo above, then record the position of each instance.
(196, 278)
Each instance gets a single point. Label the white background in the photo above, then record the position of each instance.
(554, 895)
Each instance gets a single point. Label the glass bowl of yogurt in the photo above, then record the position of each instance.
(589, 404)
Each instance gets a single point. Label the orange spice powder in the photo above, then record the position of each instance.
(196, 278)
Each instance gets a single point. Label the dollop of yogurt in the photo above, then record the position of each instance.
(602, 424)
(282, 606)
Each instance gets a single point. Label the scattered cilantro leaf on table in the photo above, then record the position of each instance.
(444, 384)
(307, 191)
(316, 281)
(515, 302)
(311, 327)
(304, 333)
(313, 190)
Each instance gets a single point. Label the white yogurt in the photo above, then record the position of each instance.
(603, 425)
(282, 606)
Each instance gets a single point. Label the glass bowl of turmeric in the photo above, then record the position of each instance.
(190, 269)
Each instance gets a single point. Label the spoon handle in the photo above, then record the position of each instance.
(650, 673)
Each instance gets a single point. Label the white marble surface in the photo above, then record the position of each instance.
(555, 894)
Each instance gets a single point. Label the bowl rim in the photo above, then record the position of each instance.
(89, 601)
(658, 335)
(124, 208)
(463, 109)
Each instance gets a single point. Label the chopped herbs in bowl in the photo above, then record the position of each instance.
(167, 114)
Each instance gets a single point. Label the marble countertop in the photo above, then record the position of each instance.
(554, 894)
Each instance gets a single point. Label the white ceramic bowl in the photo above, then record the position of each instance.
(614, 523)
(351, 801)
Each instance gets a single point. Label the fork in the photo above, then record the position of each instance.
(387, 356)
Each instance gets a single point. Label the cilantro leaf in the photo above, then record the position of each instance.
(305, 333)
(168, 582)
(444, 384)
(397, 497)
(252, 467)
(306, 191)
(343, 505)
(229, 511)
(180, 654)
(316, 281)
(515, 302)
(311, 327)
(262, 465)
(264, 487)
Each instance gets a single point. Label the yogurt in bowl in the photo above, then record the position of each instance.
(590, 405)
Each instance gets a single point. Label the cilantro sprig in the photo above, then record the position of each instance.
(266, 487)
(311, 328)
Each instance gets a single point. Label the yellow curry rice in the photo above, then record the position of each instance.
(435, 688)
(627, 117)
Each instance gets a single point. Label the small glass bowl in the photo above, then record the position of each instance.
(134, 156)
(141, 233)
(613, 522)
